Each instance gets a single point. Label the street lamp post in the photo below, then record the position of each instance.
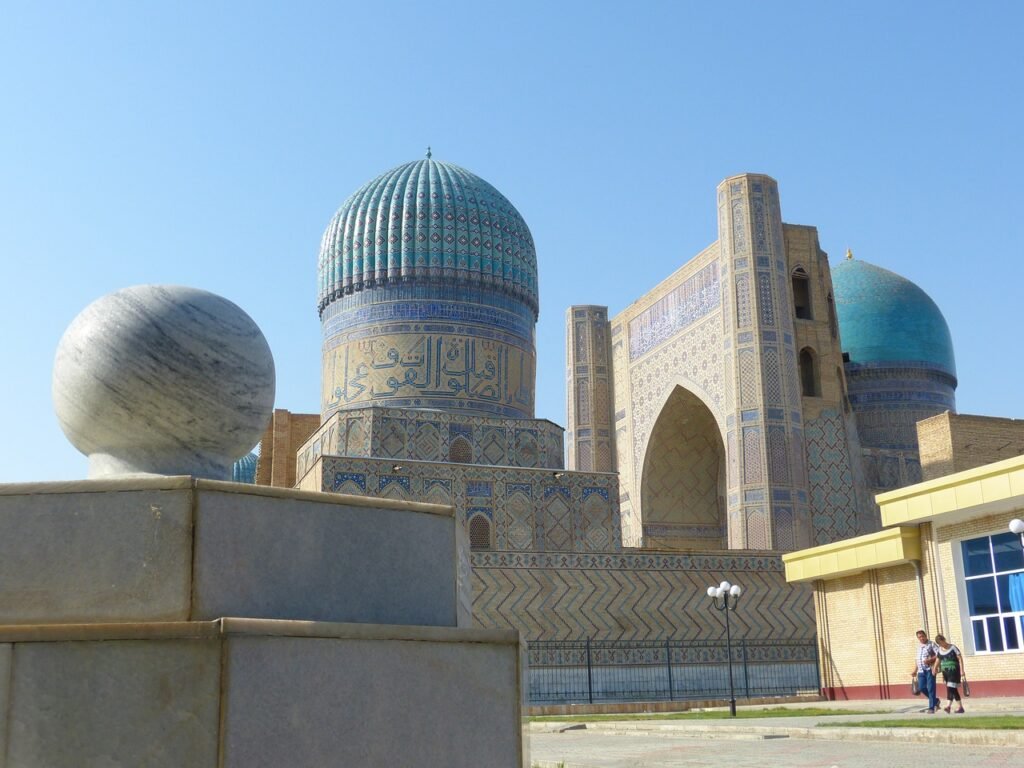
(724, 597)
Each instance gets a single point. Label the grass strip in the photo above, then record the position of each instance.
(940, 720)
(741, 714)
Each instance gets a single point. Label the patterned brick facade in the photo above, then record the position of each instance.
(527, 510)
(590, 438)
(710, 409)
(719, 398)
(635, 595)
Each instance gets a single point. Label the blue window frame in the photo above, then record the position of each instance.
(994, 582)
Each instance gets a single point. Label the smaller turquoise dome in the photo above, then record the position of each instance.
(244, 470)
(886, 318)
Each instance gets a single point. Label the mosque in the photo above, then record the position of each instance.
(749, 405)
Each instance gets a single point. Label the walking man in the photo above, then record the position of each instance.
(926, 653)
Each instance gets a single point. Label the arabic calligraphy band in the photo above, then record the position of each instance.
(431, 370)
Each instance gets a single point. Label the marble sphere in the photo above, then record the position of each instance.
(163, 379)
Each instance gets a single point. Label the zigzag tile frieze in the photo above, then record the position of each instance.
(613, 653)
(630, 561)
(627, 596)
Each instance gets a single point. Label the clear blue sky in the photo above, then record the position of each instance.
(208, 144)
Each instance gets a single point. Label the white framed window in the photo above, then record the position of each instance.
(993, 568)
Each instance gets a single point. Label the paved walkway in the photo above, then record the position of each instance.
(789, 741)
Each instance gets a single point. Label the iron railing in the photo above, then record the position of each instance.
(589, 671)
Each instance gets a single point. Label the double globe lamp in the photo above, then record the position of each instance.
(725, 596)
(1017, 526)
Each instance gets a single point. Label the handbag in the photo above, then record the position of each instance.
(967, 687)
(915, 688)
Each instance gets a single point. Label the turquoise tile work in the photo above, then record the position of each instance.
(885, 317)
(428, 296)
(427, 220)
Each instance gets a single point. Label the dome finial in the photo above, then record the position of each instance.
(849, 253)
(429, 153)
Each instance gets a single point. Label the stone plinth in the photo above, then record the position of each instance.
(253, 693)
(180, 549)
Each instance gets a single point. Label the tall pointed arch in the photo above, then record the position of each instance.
(683, 477)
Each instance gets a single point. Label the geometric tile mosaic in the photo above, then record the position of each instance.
(749, 386)
(830, 474)
(743, 301)
(764, 284)
(752, 471)
(530, 510)
(418, 435)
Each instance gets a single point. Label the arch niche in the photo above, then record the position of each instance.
(682, 488)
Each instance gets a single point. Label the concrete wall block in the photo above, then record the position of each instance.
(311, 702)
(5, 698)
(279, 558)
(114, 703)
(60, 563)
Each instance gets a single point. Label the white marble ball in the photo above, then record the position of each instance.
(163, 379)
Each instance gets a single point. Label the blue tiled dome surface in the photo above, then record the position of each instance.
(886, 318)
(431, 221)
(244, 470)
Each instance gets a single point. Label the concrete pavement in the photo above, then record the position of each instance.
(794, 741)
(606, 750)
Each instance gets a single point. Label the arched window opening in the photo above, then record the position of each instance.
(802, 294)
(460, 451)
(833, 323)
(809, 383)
(479, 532)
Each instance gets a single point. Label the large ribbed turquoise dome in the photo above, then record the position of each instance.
(244, 470)
(427, 221)
(428, 297)
(886, 318)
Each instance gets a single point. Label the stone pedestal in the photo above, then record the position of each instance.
(356, 649)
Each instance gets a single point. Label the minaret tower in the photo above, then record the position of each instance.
(767, 487)
(589, 438)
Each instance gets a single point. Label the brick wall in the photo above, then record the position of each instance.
(954, 614)
(284, 436)
(866, 621)
(822, 333)
(866, 625)
(953, 442)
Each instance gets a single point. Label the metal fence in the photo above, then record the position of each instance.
(562, 672)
